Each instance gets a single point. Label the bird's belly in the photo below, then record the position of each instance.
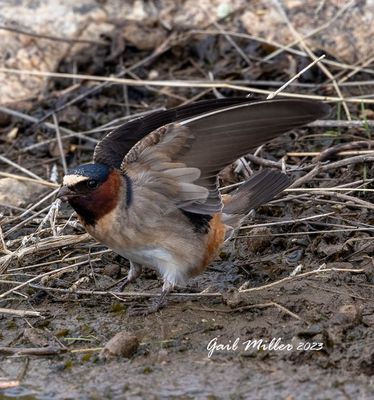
(174, 251)
(169, 262)
(171, 268)
(134, 251)
(148, 256)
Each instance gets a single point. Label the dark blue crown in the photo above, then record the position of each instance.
(99, 172)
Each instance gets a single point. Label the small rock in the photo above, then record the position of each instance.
(348, 314)
(233, 298)
(112, 270)
(331, 249)
(367, 114)
(70, 115)
(123, 344)
(143, 37)
(15, 193)
(294, 256)
(37, 337)
(259, 243)
(11, 135)
(311, 331)
(54, 148)
(64, 18)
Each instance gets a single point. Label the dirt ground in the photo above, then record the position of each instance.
(286, 312)
(172, 360)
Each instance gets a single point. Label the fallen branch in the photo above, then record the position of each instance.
(120, 295)
(33, 351)
(343, 147)
(20, 313)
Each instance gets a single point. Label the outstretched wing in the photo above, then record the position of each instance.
(181, 160)
(115, 145)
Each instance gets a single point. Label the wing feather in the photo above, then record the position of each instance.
(116, 144)
(152, 165)
(181, 160)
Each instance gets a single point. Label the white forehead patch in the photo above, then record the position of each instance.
(71, 180)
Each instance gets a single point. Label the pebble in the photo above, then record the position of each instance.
(123, 344)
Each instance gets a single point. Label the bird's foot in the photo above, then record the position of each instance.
(122, 285)
(150, 308)
(134, 273)
(119, 287)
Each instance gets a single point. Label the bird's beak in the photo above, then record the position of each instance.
(65, 193)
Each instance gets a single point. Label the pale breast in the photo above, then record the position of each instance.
(167, 244)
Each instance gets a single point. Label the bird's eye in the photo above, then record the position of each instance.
(92, 184)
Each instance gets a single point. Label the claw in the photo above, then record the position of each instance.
(135, 271)
(123, 285)
(151, 308)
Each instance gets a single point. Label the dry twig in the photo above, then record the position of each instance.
(303, 275)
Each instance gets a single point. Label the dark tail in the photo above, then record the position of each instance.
(259, 189)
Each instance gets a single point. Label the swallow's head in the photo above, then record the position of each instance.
(93, 191)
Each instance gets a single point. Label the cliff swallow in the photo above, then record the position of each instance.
(151, 193)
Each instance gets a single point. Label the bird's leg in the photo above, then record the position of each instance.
(133, 275)
(155, 305)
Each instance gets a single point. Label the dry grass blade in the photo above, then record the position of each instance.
(293, 221)
(298, 276)
(325, 70)
(333, 63)
(26, 179)
(126, 295)
(28, 118)
(59, 142)
(41, 245)
(19, 167)
(177, 83)
(317, 60)
(19, 313)
(35, 278)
